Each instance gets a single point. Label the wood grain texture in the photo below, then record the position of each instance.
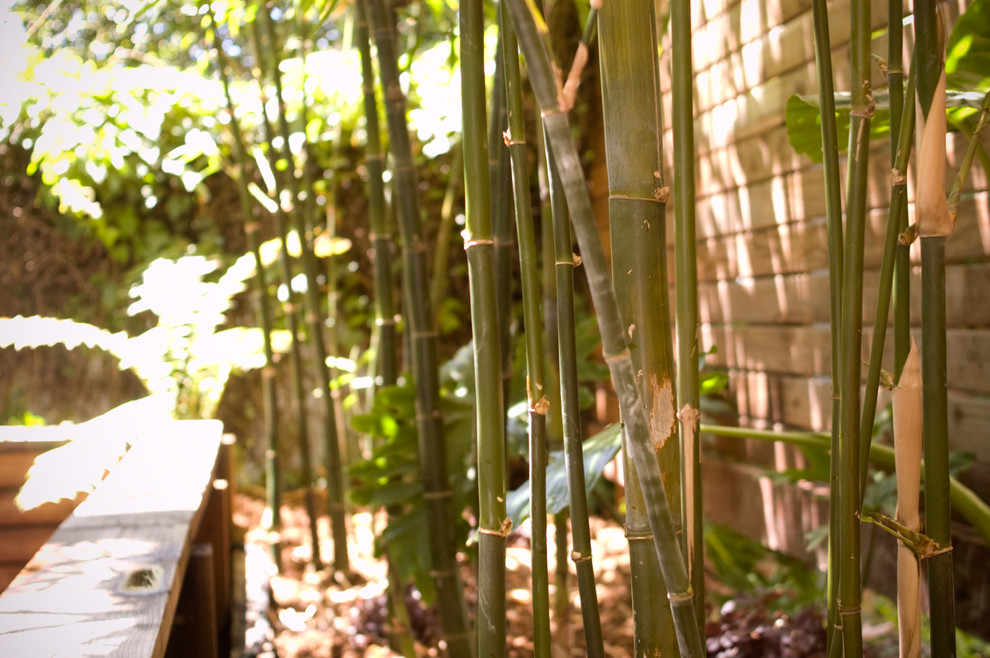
(83, 593)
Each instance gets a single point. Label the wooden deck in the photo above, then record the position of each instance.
(107, 583)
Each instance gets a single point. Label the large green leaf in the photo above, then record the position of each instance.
(599, 450)
(967, 63)
(804, 122)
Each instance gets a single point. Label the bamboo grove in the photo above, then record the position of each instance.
(517, 145)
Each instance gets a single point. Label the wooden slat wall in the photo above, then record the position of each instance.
(762, 260)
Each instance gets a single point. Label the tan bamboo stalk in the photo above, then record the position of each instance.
(906, 400)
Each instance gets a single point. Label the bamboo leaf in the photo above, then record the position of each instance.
(599, 450)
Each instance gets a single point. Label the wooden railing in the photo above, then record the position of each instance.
(142, 566)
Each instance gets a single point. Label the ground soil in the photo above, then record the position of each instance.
(321, 614)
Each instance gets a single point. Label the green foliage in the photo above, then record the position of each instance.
(966, 66)
(967, 61)
(804, 124)
(744, 565)
(598, 451)
(390, 477)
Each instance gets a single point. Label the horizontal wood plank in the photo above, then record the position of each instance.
(806, 402)
(805, 351)
(804, 298)
(108, 576)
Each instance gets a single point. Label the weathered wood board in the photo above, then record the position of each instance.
(107, 581)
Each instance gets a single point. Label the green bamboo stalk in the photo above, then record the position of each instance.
(902, 254)
(438, 284)
(314, 318)
(501, 188)
(934, 226)
(380, 237)
(897, 210)
(833, 217)
(291, 307)
(386, 370)
(536, 394)
(637, 224)
(581, 553)
(263, 311)
(479, 244)
(532, 37)
(848, 613)
(422, 338)
(686, 282)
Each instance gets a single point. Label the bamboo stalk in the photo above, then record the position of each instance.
(532, 37)
(479, 243)
(902, 256)
(291, 308)
(686, 284)
(381, 240)
(503, 231)
(380, 237)
(833, 216)
(422, 338)
(263, 311)
(314, 318)
(934, 227)
(533, 322)
(906, 400)
(581, 554)
(848, 613)
(897, 210)
(637, 225)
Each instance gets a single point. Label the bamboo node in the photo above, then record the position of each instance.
(681, 597)
(577, 557)
(542, 406)
(384, 322)
(909, 235)
(437, 495)
(503, 530)
(508, 141)
(615, 358)
(474, 242)
(662, 193)
(897, 178)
